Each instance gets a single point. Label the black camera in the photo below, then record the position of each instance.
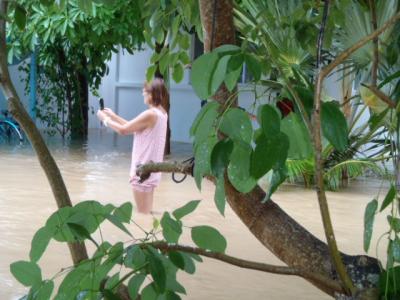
(101, 103)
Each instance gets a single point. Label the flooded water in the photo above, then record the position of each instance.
(100, 171)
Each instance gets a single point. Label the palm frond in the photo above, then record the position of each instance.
(352, 168)
(299, 169)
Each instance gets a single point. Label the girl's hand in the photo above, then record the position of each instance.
(108, 112)
(101, 115)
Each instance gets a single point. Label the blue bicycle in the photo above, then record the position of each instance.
(10, 130)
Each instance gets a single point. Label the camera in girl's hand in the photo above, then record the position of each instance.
(101, 103)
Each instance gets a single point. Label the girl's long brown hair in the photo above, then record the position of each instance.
(159, 93)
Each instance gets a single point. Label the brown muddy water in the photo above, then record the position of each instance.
(99, 170)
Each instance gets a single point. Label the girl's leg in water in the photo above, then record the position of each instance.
(144, 201)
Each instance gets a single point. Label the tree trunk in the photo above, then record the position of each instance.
(79, 127)
(276, 230)
(78, 250)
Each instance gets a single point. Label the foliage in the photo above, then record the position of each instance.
(168, 26)
(277, 43)
(74, 43)
(96, 277)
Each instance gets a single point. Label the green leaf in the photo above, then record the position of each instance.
(253, 65)
(188, 208)
(219, 74)
(278, 177)
(124, 212)
(85, 5)
(210, 108)
(80, 233)
(57, 224)
(45, 290)
(389, 197)
(135, 257)
(115, 253)
(220, 156)
(369, 216)
(184, 41)
(177, 259)
(219, 197)
(177, 73)
(190, 267)
(236, 124)
(202, 158)
(39, 243)
(157, 271)
(233, 72)
(184, 57)
(388, 283)
(149, 292)
(394, 223)
(396, 249)
(172, 296)
(134, 285)
(26, 272)
(300, 145)
(227, 49)
(334, 125)
(269, 119)
(202, 73)
(239, 168)
(150, 72)
(269, 152)
(20, 17)
(172, 229)
(205, 127)
(209, 238)
(46, 2)
(112, 281)
(114, 220)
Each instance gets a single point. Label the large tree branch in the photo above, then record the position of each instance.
(144, 171)
(246, 264)
(47, 162)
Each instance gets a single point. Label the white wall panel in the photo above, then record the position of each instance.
(132, 68)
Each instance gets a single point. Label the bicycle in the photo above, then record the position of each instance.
(10, 129)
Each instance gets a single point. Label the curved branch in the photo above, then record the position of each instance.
(246, 264)
(46, 160)
(319, 168)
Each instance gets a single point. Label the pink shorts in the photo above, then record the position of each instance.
(145, 187)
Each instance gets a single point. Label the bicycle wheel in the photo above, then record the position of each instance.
(10, 132)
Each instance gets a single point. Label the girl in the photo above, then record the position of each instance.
(149, 130)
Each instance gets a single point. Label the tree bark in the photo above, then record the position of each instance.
(47, 162)
(276, 230)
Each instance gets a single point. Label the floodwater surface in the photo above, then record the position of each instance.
(99, 171)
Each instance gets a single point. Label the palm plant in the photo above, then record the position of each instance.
(275, 31)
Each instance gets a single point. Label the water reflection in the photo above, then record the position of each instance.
(99, 170)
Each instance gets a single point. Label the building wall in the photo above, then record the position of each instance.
(122, 92)
(16, 78)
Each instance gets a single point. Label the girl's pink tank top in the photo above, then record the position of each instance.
(149, 145)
